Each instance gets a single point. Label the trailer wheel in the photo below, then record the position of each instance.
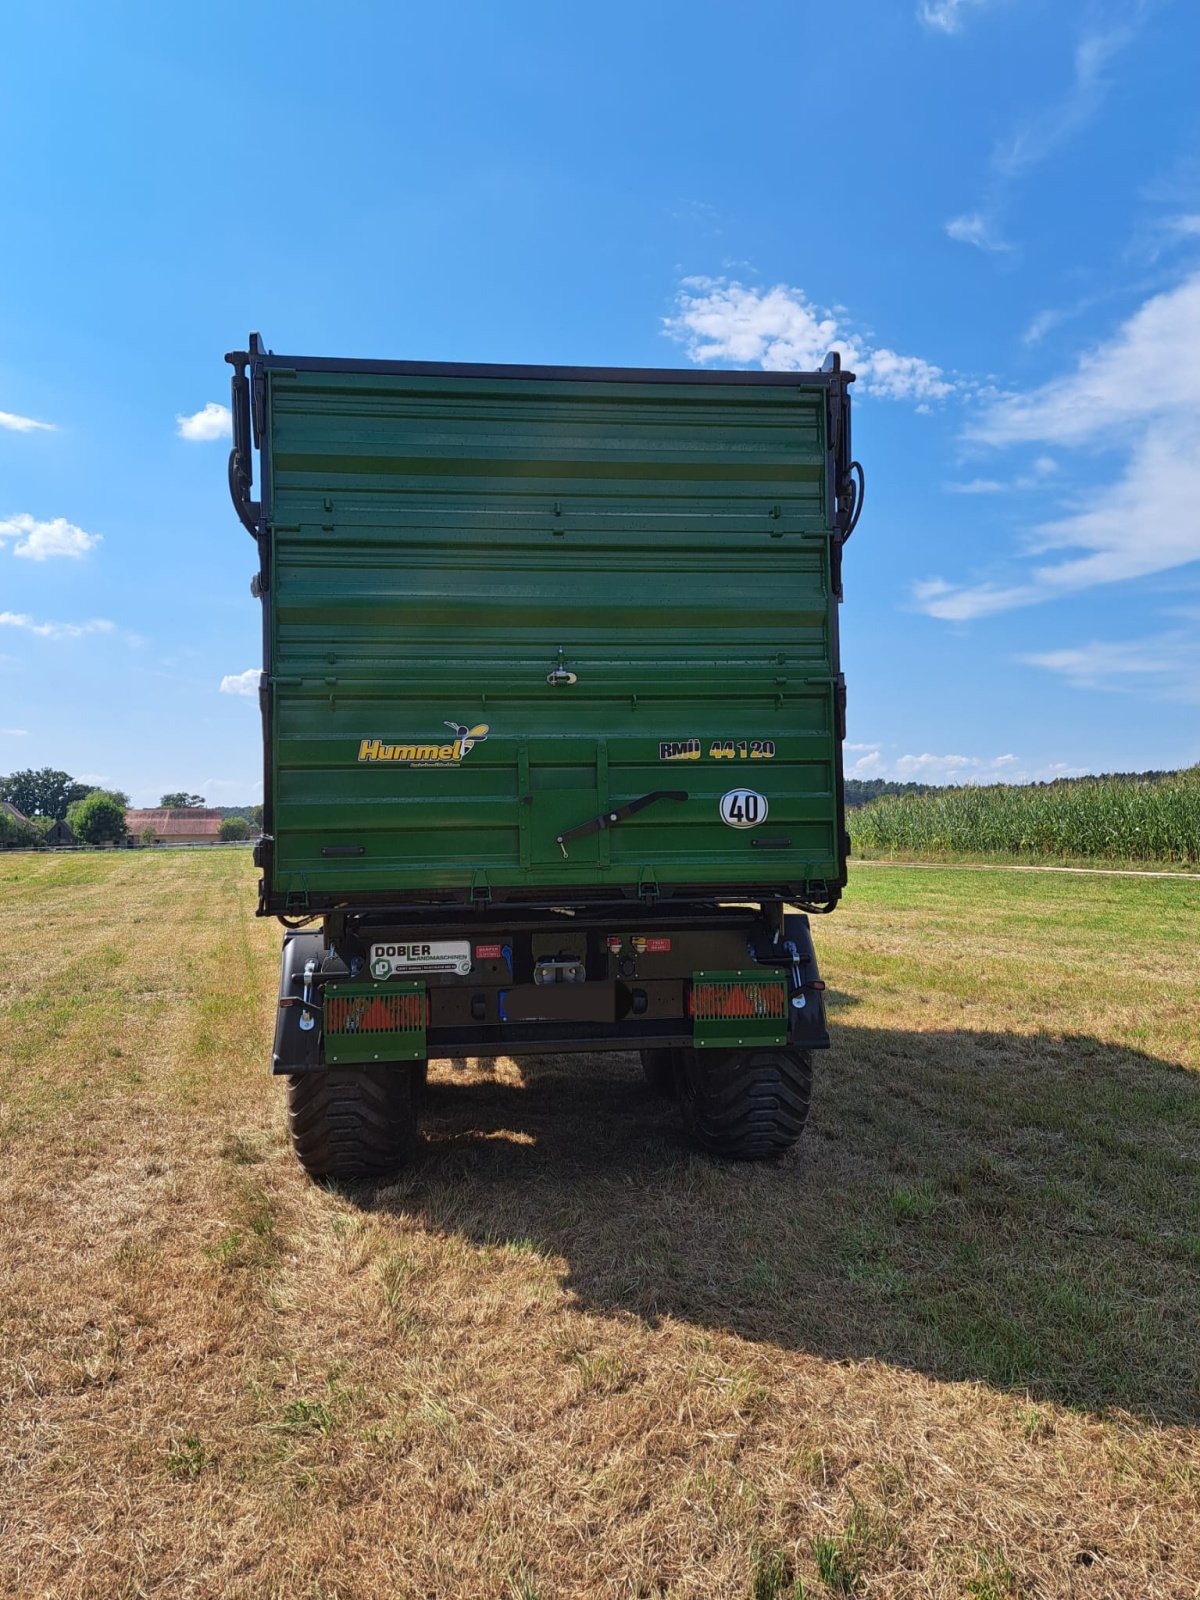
(658, 1067)
(353, 1123)
(745, 1105)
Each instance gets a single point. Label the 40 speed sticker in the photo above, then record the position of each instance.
(743, 808)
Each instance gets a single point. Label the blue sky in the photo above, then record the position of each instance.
(991, 206)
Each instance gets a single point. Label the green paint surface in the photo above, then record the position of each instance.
(441, 546)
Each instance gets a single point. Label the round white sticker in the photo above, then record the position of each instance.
(743, 808)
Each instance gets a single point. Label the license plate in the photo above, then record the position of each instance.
(421, 955)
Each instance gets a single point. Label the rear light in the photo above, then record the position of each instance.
(738, 1000)
(379, 1013)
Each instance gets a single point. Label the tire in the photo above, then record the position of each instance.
(745, 1105)
(658, 1067)
(353, 1122)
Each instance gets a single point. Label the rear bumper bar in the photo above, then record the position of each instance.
(635, 992)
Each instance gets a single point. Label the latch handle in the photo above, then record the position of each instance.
(610, 818)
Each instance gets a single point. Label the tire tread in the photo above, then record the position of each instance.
(353, 1123)
(746, 1105)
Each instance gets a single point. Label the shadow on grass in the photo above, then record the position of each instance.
(1019, 1210)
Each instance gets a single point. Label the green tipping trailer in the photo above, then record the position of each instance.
(552, 726)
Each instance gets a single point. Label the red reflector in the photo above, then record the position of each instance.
(488, 952)
(724, 1001)
(383, 1013)
(819, 984)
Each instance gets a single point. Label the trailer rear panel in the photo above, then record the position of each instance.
(546, 634)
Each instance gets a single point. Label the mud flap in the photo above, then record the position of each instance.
(806, 1025)
(297, 1048)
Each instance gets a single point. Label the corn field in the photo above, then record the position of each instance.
(1089, 818)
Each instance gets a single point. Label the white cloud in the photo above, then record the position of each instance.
(698, 213)
(1099, 663)
(40, 541)
(1035, 478)
(975, 228)
(1051, 317)
(960, 769)
(14, 733)
(1041, 324)
(1167, 666)
(978, 486)
(780, 330)
(1139, 393)
(937, 598)
(903, 377)
(54, 630)
(1034, 140)
(945, 14)
(213, 421)
(949, 769)
(1037, 137)
(241, 682)
(16, 424)
(233, 791)
(1149, 368)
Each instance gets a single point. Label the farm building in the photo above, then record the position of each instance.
(59, 833)
(10, 810)
(196, 825)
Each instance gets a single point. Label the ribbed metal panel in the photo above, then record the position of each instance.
(440, 545)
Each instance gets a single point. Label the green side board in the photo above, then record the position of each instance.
(500, 608)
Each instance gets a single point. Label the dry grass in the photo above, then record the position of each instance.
(948, 1348)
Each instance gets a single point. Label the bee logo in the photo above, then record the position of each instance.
(467, 738)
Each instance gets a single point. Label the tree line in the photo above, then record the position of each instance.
(95, 815)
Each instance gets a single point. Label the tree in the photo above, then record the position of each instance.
(256, 815)
(148, 835)
(100, 818)
(13, 832)
(180, 800)
(233, 828)
(45, 793)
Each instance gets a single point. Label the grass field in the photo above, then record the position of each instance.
(947, 1348)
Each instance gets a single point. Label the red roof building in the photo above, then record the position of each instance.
(197, 825)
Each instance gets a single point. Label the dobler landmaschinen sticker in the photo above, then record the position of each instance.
(426, 755)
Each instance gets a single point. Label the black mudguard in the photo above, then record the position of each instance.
(298, 1049)
(806, 1027)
